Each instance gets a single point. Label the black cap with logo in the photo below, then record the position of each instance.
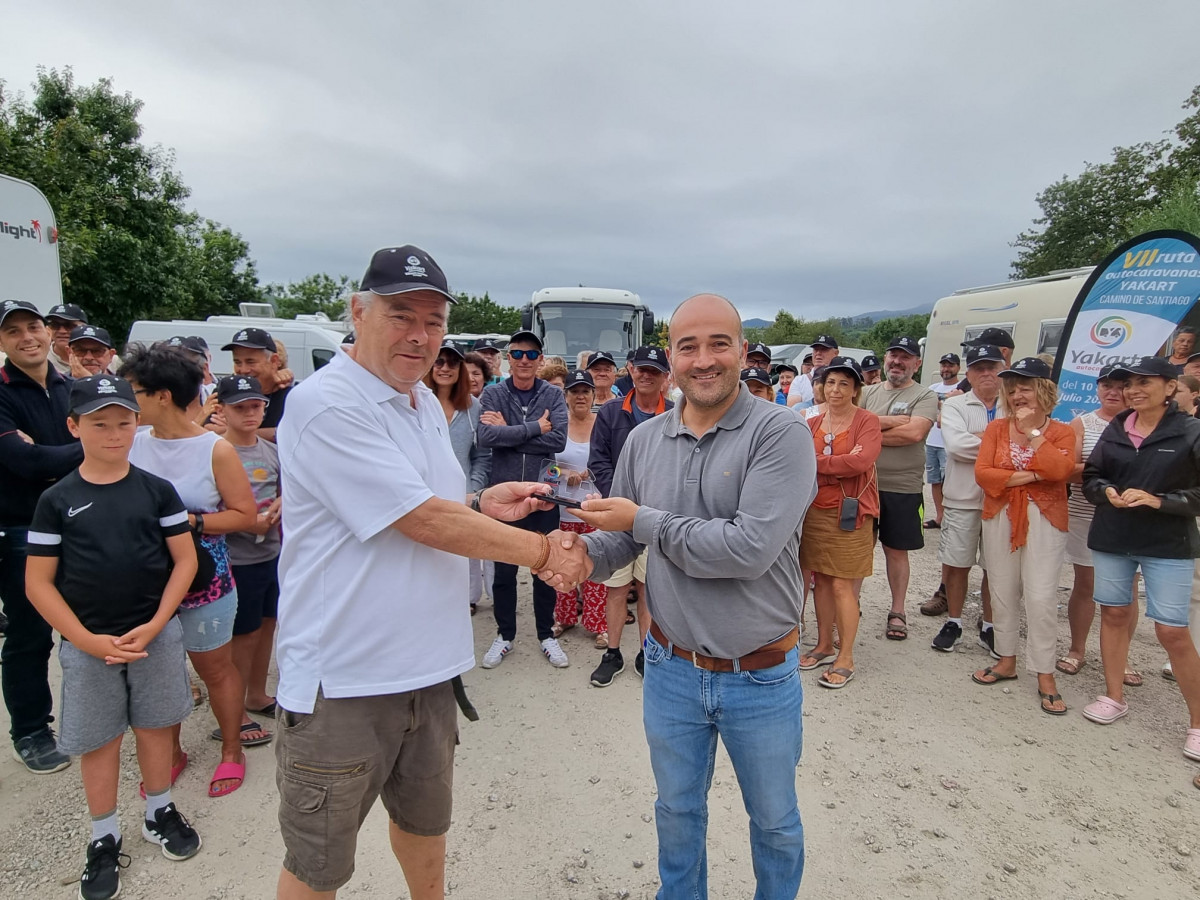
(90, 333)
(8, 307)
(251, 339)
(98, 391)
(950, 359)
(1032, 367)
(650, 357)
(907, 344)
(453, 348)
(598, 357)
(68, 312)
(786, 367)
(580, 378)
(1105, 372)
(997, 337)
(871, 363)
(759, 349)
(487, 345)
(1158, 366)
(233, 389)
(525, 336)
(827, 341)
(754, 373)
(844, 364)
(983, 353)
(401, 270)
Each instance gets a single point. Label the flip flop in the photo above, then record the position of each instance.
(1131, 678)
(228, 771)
(1052, 698)
(1191, 746)
(215, 734)
(1070, 665)
(1105, 710)
(822, 659)
(176, 771)
(268, 710)
(1168, 673)
(996, 679)
(847, 677)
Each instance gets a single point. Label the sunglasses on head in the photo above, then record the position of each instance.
(525, 354)
(446, 362)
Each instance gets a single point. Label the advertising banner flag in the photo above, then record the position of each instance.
(1128, 308)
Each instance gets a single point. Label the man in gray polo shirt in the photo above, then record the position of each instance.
(716, 489)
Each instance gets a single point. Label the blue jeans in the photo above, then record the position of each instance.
(757, 715)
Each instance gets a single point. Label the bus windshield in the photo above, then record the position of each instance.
(568, 329)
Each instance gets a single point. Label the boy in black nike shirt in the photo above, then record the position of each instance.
(110, 558)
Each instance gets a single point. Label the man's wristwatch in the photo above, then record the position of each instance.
(476, 499)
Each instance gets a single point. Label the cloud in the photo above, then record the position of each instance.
(821, 158)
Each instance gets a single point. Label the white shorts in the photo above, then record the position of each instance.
(1078, 553)
(635, 571)
(960, 545)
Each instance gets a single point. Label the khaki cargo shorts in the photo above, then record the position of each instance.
(635, 571)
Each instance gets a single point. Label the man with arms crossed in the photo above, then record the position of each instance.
(906, 412)
(716, 489)
(824, 349)
(370, 630)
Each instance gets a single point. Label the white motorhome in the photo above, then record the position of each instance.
(1034, 311)
(572, 320)
(311, 340)
(29, 268)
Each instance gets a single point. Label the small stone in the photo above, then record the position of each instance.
(830, 805)
(628, 835)
(1178, 866)
(492, 827)
(492, 798)
(1030, 741)
(1093, 841)
(1183, 850)
(637, 863)
(595, 779)
(512, 771)
(646, 817)
(1173, 801)
(954, 803)
(622, 895)
(587, 849)
(1005, 691)
(571, 878)
(937, 832)
(1010, 868)
(904, 783)
(582, 863)
(950, 784)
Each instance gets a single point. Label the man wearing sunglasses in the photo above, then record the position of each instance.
(524, 421)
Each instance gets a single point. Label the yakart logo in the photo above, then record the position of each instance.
(1111, 331)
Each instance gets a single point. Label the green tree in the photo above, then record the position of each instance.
(1084, 217)
(1179, 210)
(313, 294)
(482, 315)
(787, 329)
(880, 334)
(660, 338)
(129, 246)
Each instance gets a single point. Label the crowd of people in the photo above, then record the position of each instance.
(157, 516)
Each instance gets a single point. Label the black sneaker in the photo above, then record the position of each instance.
(987, 640)
(639, 664)
(950, 635)
(611, 665)
(101, 878)
(40, 754)
(171, 831)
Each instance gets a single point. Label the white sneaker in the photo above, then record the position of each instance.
(496, 653)
(554, 653)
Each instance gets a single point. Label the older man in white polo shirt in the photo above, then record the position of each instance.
(370, 630)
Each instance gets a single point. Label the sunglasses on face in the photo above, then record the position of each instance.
(445, 362)
(525, 354)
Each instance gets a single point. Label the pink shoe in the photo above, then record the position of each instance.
(1191, 745)
(1105, 710)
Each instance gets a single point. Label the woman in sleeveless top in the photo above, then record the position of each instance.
(209, 478)
(1081, 608)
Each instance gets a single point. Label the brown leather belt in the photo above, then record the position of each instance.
(764, 657)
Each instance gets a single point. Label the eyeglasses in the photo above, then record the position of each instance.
(525, 354)
(88, 351)
(444, 362)
(828, 450)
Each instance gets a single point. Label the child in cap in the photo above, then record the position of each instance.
(110, 558)
(253, 554)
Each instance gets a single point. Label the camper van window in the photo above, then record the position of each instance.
(570, 328)
(1050, 336)
(973, 331)
(321, 356)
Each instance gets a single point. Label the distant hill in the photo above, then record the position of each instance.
(757, 323)
(920, 309)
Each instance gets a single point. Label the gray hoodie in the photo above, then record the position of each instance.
(518, 447)
(476, 461)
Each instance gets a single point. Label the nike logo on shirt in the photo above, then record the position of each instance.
(72, 512)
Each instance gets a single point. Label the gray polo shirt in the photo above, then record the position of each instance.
(720, 514)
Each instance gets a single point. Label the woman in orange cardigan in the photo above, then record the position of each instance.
(847, 441)
(1024, 462)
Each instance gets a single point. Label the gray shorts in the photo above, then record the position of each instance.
(961, 545)
(100, 701)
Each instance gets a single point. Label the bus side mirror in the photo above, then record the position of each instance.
(527, 317)
(648, 322)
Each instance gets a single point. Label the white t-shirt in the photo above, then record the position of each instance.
(363, 610)
(935, 433)
(801, 392)
(575, 457)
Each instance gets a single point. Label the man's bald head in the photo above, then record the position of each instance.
(707, 308)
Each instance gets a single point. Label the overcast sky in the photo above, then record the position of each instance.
(825, 158)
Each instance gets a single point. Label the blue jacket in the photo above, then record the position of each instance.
(609, 433)
(28, 469)
(519, 446)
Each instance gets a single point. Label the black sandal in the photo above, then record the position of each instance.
(1052, 698)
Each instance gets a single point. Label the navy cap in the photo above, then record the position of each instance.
(525, 336)
(69, 312)
(98, 391)
(997, 337)
(786, 367)
(599, 356)
(453, 348)
(14, 306)
(90, 333)
(488, 345)
(844, 364)
(907, 344)
(1105, 372)
(754, 373)
(650, 357)
(233, 389)
(951, 358)
(826, 341)
(401, 270)
(1032, 367)
(1158, 366)
(871, 363)
(983, 353)
(760, 348)
(580, 378)
(250, 338)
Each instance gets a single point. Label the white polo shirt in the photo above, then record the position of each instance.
(363, 610)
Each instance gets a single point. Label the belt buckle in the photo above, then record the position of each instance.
(695, 660)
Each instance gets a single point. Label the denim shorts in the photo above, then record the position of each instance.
(257, 593)
(210, 626)
(100, 701)
(1168, 585)
(935, 464)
